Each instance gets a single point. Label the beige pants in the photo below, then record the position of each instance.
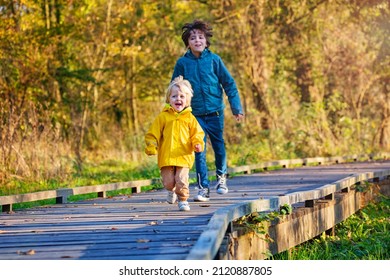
(175, 178)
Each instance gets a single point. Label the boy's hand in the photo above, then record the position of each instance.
(198, 148)
(151, 150)
(239, 117)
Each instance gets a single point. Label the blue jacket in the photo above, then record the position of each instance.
(208, 77)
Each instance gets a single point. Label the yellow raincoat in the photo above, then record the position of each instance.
(173, 137)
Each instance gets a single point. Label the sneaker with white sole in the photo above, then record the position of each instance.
(184, 206)
(171, 197)
(203, 194)
(221, 184)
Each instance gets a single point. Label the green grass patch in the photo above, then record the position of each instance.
(32, 204)
(106, 172)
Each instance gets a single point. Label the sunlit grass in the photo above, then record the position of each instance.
(106, 172)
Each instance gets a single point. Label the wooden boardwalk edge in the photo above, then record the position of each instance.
(209, 242)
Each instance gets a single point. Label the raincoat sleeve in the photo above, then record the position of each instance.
(153, 136)
(197, 134)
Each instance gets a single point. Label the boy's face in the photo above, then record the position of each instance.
(177, 99)
(197, 42)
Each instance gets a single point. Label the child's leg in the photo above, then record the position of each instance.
(216, 125)
(200, 158)
(182, 183)
(168, 177)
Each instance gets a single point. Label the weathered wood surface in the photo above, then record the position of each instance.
(143, 226)
(303, 224)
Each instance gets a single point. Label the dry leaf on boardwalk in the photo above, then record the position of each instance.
(143, 240)
(29, 252)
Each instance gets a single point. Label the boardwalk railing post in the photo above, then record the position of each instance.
(62, 195)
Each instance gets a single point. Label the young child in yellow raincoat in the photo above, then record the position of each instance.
(174, 136)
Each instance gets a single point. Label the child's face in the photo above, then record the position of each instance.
(197, 42)
(177, 99)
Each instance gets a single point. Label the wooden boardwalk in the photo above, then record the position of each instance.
(143, 226)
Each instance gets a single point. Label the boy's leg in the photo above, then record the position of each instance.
(215, 127)
(182, 190)
(200, 158)
(202, 173)
(216, 134)
(181, 178)
(202, 169)
(168, 180)
(168, 177)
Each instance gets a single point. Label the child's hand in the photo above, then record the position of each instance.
(198, 148)
(239, 117)
(151, 150)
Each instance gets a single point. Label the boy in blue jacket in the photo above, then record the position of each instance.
(209, 78)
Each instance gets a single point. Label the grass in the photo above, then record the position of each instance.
(105, 172)
(363, 236)
(92, 174)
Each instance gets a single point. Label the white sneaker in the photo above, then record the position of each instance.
(184, 206)
(221, 184)
(171, 197)
(203, 195)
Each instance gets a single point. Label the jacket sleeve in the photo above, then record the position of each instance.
(229, 86)
(153, 136)
(177, 70)
(197, 134)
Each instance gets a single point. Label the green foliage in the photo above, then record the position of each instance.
(363, 187)
(286, 209)
(260, 222)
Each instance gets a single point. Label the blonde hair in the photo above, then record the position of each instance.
(183, 85)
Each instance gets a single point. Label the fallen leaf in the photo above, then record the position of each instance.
(29, 252)
(143, 240)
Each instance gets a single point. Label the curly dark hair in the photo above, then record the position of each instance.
(199, 25)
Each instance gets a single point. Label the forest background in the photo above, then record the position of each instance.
(81, 81)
